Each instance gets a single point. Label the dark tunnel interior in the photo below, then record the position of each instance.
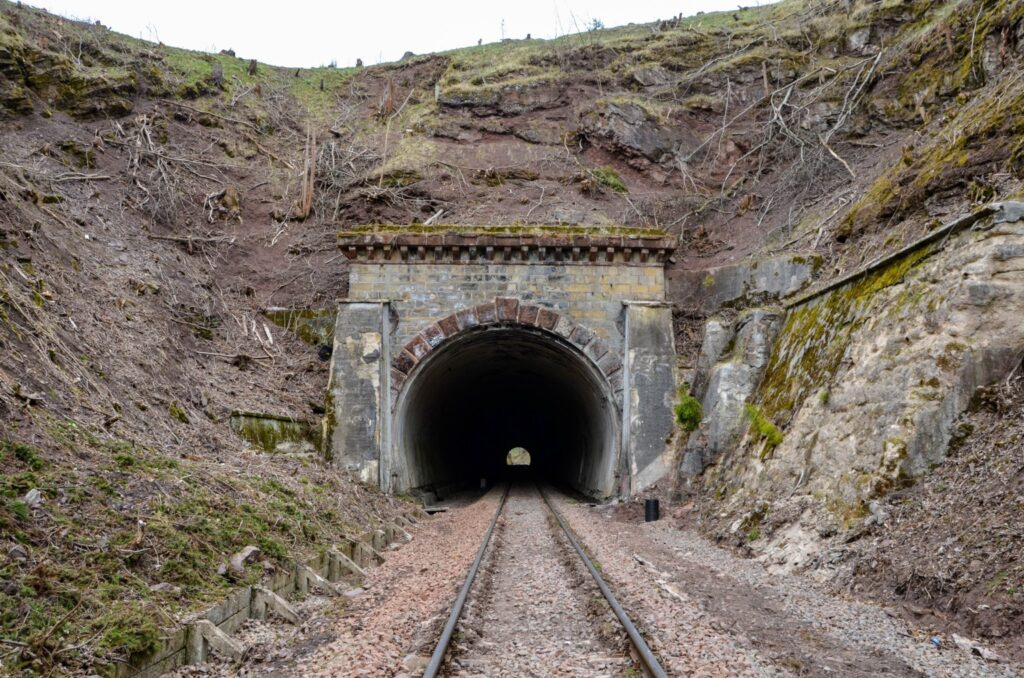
(482, 394)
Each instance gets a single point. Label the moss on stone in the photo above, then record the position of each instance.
(267, 432)
(815, 337)
(513, 229)
(767, 432)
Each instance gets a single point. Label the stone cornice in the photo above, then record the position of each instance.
(453, 247)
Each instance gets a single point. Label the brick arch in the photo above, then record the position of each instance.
(503, 311)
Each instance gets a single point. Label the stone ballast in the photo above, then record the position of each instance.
(508, 244)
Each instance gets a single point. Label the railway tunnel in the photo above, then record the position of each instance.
(495, 389)
(456, 344)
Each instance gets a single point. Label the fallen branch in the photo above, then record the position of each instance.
(267, 153)
(835, 155)
(212, 114)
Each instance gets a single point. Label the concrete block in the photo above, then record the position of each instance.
(340, 563)
(204, 636)
(265, 601)
(306, 580)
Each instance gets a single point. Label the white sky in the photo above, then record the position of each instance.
(308, 33)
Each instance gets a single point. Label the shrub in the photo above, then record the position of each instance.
(688, 410)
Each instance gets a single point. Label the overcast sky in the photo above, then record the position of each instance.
(309, 33)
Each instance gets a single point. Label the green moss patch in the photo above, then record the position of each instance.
(688, 411)
(816, 335)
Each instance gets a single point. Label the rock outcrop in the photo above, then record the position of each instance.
(868, 378)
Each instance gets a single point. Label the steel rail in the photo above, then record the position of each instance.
(647, 657)
(446, 634)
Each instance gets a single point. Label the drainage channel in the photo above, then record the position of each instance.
(535, 515)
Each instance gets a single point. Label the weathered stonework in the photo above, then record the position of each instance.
(570, 293)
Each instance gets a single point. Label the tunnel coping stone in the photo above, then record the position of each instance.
(433, 335)
(397, 379)
(609, 363)
(486, 313)
(581, 336)
(467, 318)
(596, 349)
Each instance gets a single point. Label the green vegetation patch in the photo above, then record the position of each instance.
(765, 428)
(688, 410)
(78, 593)
(607, 176)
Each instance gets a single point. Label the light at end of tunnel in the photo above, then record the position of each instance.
(517, 456)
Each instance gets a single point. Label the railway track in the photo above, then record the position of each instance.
(642, 654)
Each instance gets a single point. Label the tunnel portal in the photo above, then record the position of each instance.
(503, 387)
(457, 344)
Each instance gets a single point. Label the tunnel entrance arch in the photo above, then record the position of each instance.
(502, 384)
(573, 321)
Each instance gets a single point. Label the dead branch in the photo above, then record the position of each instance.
(225, 118)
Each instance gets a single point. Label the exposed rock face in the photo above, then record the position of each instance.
(735, 358)
(748, 283)
(505, 101)
(629, 129)
(871, 376)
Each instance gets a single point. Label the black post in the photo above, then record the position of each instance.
(650, 510)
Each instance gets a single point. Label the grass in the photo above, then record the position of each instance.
(607, 176)
(129, 517)
(762, 426)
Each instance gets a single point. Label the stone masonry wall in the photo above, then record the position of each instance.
(421, 294)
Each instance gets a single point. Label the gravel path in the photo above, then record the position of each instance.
(706, 612)
(534, 610)
(406, 600)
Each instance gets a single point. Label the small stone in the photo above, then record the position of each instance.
(354, 593)
(222, 569)
(164, 587)
(247, 555)
(18, 552)
(33, 498)
(415, 663)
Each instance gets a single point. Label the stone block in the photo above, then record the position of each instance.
(610, 363)
(404, 362)
(449, 325)
(467, 318)
(433, 335)
(547, 319)
(528, 314)
(486, 313)
(581, 336)
(596, 349)
(418, 348)
(507, 307)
